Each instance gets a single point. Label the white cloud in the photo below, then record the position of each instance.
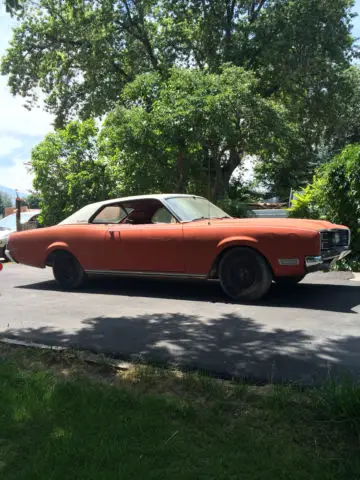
(15, 119)
(16, 176)
(19, 128)
(8, 144)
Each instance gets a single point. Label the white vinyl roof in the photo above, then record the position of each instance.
(83, 215)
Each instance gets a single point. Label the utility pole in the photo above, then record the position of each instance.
(18, 211)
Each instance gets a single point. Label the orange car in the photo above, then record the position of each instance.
(182, 236)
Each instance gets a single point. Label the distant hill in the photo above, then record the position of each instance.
(12, 192)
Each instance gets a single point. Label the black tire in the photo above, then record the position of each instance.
(68, 271)
(244, 274)
(288, 282)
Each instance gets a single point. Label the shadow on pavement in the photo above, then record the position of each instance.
(313, 296)
(230, 346)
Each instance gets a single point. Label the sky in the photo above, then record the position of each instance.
(21, 130)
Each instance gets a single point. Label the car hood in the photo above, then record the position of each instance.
(282, 223)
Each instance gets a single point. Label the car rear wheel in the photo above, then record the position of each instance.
(244, 274)
(288, 282)
(68, 271)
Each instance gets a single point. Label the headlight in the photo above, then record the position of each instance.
(337, 238)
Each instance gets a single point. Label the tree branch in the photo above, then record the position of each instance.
(254, 12)
(230, 9)
(142, 36)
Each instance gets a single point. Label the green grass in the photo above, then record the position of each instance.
(61, 418)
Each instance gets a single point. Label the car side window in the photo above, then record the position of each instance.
(110, 214)
(162, 215)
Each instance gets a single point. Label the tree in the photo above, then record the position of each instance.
(190, 132)
(5, 202)
(335, 195)
(33, 200)
(314, 146)
(81, 54)
(12, 6)
(68, 172)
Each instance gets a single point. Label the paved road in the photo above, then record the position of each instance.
(299, 335)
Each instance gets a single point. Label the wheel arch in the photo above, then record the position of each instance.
(231, 244)
(55, 248)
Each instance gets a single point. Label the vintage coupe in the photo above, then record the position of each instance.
(183, 236)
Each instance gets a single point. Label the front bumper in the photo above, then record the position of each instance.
(8, 254)
(325, 261)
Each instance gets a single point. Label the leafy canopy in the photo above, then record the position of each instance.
(68, 172)
(82, 53)
(335, 194)
(33, 200)
(171, 135)
(5, 201)
(164, 136)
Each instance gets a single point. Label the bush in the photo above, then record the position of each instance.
(334, 195)
(304, 206)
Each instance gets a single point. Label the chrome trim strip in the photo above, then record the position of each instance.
(8, 254)
(130, 273)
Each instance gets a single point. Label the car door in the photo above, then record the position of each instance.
(147, 248)
(155, 247)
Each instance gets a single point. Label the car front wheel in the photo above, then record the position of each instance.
(68, 271)
(244, 274)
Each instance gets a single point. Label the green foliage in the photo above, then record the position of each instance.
(33, 200)
(91, 58)
(170, 135)
(13, 5)
(185, 134)
(234, 207)
(68, 172)
(5, 201)
(335, 195)
(305, 204)
(81, 54)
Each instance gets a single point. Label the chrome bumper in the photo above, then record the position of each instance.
(324, 262)
(8, 254)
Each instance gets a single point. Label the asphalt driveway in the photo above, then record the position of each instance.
(301, 335)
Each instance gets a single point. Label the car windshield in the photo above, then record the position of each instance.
(189, 209)
(9, 222)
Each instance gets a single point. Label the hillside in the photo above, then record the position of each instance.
(11, 192)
